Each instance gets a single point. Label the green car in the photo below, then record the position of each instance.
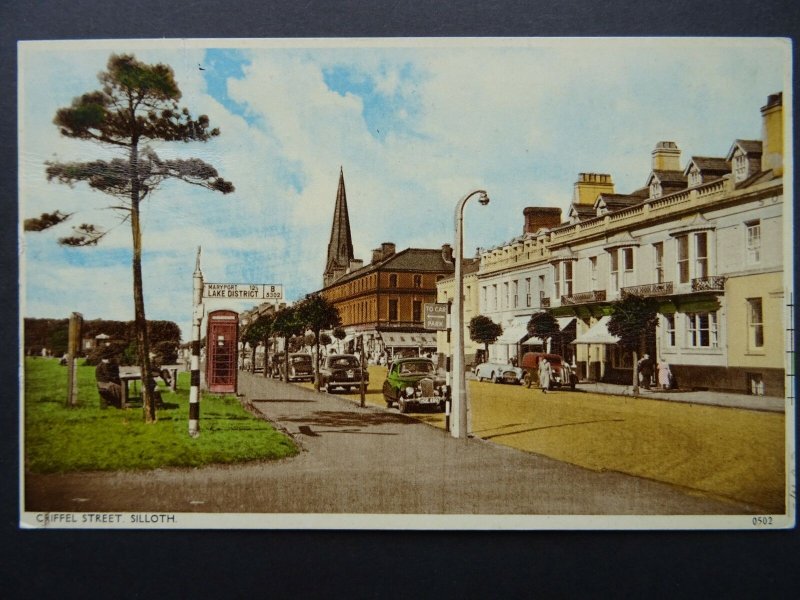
(413, 382)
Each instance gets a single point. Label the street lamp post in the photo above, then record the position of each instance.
(459, 426)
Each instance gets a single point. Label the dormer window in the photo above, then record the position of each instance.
(655, 188)
(740, 166)
(695, 178)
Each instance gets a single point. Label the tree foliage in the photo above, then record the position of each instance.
(484, 331)
(632, 319)
(257, 331)
(544, 326)
(45, 221)
(317, 313)
(136, 104)
(287, 325)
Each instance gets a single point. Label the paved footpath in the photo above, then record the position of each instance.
(368, 460)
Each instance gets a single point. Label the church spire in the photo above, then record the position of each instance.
(340, 246)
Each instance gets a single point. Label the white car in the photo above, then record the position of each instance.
(499, 372)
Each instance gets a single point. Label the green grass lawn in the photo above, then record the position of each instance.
(88, 438)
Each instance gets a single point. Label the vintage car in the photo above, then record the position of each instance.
(301, 367)
(562, 372)
(413, 382)
(498, 372)
(341, 370)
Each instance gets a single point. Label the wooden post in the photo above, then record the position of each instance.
(73, 347)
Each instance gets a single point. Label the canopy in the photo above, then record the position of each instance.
(564, 322)
(409, 340)
(515, 331)
(597, 334)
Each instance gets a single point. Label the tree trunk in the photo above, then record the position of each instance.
(140, 321)
(635, 373)
(266, 356)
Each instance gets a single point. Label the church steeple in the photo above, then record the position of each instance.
(340, 246)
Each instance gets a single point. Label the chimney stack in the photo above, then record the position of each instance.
(666, 157)
(540, 217)
(772, 134)
(385, 251)
(447, 253)
(589, 186)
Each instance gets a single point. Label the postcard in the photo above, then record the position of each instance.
(406, 283)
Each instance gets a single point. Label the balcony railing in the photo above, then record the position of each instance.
(544, 302)
(712, 283)
(584, 297)
(651, 289)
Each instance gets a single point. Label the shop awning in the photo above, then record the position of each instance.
(597, 334)
(564, 322)
(409, 340)
(515, 331)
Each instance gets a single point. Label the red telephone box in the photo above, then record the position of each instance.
(221, 349)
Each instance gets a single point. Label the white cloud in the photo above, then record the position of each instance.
(521, 122)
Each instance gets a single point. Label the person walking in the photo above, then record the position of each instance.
(646, 371)
(545, 374)
(664, 375)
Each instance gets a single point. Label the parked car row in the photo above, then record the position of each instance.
(527, 374)
(414, 382)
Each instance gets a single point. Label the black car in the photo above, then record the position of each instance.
(300, 367)
(341, 370)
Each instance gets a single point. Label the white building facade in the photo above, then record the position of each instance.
(705, 239)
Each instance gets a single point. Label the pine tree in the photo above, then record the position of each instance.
(137, 104)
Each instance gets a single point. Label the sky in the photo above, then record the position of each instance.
(415, 125)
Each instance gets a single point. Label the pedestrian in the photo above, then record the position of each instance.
(109, 385)
(545, 373)
(646, 371)
(664, 375)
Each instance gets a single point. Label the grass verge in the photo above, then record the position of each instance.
(88, 438)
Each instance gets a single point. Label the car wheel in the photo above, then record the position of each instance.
(402, 405)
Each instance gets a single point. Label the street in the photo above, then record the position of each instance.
(373, 460)
(716, 450)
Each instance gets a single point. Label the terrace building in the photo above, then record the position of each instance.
(706, 240)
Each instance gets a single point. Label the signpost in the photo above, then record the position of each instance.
(243, 291)
(217, 291)
(435, 316)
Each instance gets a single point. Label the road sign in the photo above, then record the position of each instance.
(435, 316)
(243, 291)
